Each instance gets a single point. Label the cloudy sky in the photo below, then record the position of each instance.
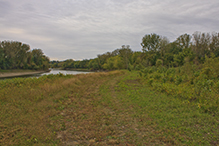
(81, 29)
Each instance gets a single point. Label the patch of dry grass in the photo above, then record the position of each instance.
(33, 113)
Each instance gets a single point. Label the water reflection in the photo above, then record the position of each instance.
(53, 71)
(65, 72)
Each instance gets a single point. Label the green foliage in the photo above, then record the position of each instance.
(164, 79)
(199, 85)
(159, 62)
(113, 63)
(157, 76)
(197, 73)
(15, 55)
(186, 51)
(150, 81)
(151, 42)
(139, 67)
(183, 41)
(178, 80)
(130, 67)
(207, 72)
(202, 86)
(171, 71)
(217, 86)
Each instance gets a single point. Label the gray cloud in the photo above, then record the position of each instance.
(81, 29)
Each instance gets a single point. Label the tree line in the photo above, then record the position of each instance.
(16, 55)
(156, 51)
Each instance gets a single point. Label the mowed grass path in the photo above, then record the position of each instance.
(115, 108)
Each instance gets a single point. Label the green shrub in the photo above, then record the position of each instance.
(203, 85)
(159, 62)
(178, 80)
(145, 70)
(197, 73)
(150, 81)
(157, 76)
(170, 71)
(207, 71)
(150, 71)
(161, 70)
(164, 79)
(171, 78)
(139, 67)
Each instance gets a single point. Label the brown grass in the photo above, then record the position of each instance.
(40, 114)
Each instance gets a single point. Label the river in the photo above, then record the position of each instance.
(53, 71)
(65, 72)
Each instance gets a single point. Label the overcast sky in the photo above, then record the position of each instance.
(81, 29)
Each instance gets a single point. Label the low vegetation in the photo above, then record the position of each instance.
(114, 108)
(195, 84)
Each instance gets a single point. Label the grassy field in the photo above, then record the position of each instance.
(114, 108)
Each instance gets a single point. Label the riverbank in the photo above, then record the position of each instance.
(20, 73)
(107, 108)
(77, 69)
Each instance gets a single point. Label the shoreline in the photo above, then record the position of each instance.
(20, 74)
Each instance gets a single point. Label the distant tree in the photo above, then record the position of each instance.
(118, 62)
(179, 59)
(16, 55)
(183, 41)
(114, 62)
(9, 54)
(116, 52)
(103, 58)
(136, 58)
(168, 59)
(109, 65)
(172, 48)
(2, 57)
(37, 58)
(201, 44)
(214, 44)
(151, 42)
(83, 63)
(163, 45)
(157, 51)
(22, 56)
(94, 64)
(68, 64)
(125, 53)
(154, 46)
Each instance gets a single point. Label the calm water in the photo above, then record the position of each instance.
(65, 72)
(53, 71)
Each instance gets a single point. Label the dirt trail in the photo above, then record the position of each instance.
(99, 119)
